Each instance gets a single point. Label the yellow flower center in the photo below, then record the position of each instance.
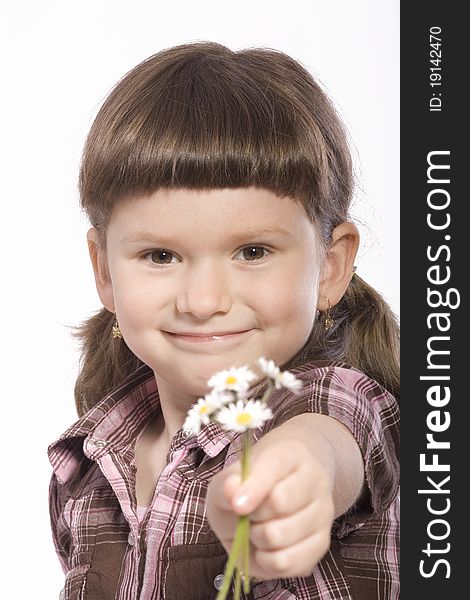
(231, 379)
(203, 409)
(244, 418)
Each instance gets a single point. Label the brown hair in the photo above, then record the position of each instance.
(202, 116)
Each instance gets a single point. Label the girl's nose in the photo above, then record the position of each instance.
(203, 293)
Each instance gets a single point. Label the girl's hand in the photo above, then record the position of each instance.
(288, 496)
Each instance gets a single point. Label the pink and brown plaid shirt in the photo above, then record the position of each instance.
(172, 554)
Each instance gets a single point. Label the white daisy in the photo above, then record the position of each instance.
(222, 397)
(235, 379)
(192, 424)
(200, 413)
(278, 377)
(290, 381)
(241, 416)
(268, 367)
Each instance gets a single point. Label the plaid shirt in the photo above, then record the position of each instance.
(173, 554)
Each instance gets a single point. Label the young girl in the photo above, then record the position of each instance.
(218, 185)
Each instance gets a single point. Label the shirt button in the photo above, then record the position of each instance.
(62, 594)
(131, 539)
(100, 443)
(219, 581)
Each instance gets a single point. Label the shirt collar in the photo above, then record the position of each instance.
(109, 426)
(113, 424)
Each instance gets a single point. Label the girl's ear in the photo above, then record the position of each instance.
(99, 261)
(338, 265)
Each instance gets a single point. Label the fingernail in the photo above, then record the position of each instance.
(241, 500)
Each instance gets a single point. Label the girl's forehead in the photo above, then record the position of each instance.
(227, 208)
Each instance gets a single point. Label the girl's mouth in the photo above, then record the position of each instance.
(201, 339)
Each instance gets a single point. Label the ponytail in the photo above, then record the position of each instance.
(365, 334)
(104, 362)
(372, 334)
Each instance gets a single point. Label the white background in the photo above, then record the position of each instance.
(59, 60)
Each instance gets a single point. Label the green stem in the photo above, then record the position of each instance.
(236, 594)
(246, 454)
(241, 542)
(245, 551)
(238, 544)
(268, 391)
(246, 557)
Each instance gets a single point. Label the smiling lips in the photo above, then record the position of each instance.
(206, 337)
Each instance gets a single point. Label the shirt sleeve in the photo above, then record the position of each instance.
(370, 413)
(60, 534)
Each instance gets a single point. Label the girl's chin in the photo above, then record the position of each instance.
(195, 376)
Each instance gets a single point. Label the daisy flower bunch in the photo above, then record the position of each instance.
(227, 405)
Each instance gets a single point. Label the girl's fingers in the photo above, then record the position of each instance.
(295, 561)
(267, 472)
(281, 533)
(292, 494)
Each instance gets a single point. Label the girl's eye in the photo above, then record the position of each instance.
(254, 253)
(159, 257)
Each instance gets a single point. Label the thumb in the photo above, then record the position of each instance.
(222, 490)
(267, 469)
(231, 489)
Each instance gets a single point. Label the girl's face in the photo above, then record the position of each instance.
(211, 262)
